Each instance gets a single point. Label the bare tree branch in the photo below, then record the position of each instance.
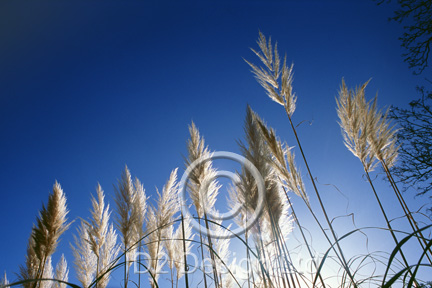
(416, 15)
(415, 137)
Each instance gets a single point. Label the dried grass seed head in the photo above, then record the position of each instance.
(98, 225)
(108, 255)
(282, 160)
(355, 122)
(85, 261)
(382, 138)
(274, 78)
(201, 186)
(140, 208)
(366, 130)
(126, 218)
(61, 273)
(51, 224)
(29, 271)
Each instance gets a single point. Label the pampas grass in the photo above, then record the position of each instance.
(103, 238)
(154, 246)
(268, 233)
(275, 78)
(175, 250)
(202, 198)
(96, 246)
(140, 210)
(29, 271)
(381, 142)
(282, 160)
(277, 81)
(369, 136)
(61, 273)
(160, 229)
(47, 274)
(222, 252)
(202, 191)
(356, 124)
(126, 219)
(85, 260)
(159, 223)
(50, 225)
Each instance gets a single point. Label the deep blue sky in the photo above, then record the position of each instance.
(89, 86)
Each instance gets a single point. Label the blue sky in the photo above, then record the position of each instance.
(89, 86)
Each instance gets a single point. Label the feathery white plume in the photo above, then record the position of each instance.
(126, 218)
(51, 223)
(47, 274)
(159, 222)
(202, 191)
(61, 273)
(85, 261)
(355, 119)
(366, 130)
(274, 78)
(108, 255)
(179, 250)
(140, 208)
(29, 271)
(96, 245)
(174, 246)
(102, 237)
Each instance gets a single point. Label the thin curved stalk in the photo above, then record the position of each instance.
(202, 252)
(303, 236)
(344, 262)
(184, 253)
(408, 214)
(215, 273)
(388, 222)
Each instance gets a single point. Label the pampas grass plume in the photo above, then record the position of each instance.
(51, 223)
(274, 78)
(61, 273)
(85, 260)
